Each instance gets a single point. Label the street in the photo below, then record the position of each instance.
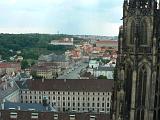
(73, 72)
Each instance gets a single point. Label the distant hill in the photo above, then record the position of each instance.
(30, 45)
(33, 45)
(95, 37)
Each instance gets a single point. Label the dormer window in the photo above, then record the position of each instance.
(34, 115)
(13, 115)
(72, 117)
(55, 116)
(92, 117)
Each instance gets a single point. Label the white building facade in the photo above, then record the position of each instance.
(93, 64)
(71, 98)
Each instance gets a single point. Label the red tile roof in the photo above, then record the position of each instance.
(70, 85)
(107, 42)
(26, 115)
(9, 65)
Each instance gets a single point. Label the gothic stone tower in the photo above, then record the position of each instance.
(137, 79)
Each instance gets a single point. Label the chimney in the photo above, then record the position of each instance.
(2, 104)
(46, 108)
(65, 80)
(19, 108)
(11, 84)
(4, 86)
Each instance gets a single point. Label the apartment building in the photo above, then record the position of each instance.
(42, 71)
(9, 67)
(107, 43)
(60, 60)
(81, 95)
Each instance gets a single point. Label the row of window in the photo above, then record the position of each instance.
(74, 104)
(67, 93)
(88, 109)
(67, 98)
(85, 104)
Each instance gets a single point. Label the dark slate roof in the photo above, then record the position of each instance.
(24, 75)
(53, 57)
(8, 91)
(26, 115)
(103, 68)
(26, 106)
(22, 84)
(68, 85)
(58, 58)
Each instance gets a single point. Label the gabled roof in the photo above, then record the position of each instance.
(27, 106)
(9, 65)
(26, 115)
(86, 85)
(107, 42)
(104, 68)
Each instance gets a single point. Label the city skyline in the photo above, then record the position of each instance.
(94, 17)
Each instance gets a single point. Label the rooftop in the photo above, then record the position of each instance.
(7, 89)
(93, 62)
(9, 65)
(51, 64)
(26, 115)
(53, 57)
(23, 75)
(67, 85)
(28, 106)
(39, 68)
(104, 68)
(107, 42)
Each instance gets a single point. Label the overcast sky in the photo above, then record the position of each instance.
(96, 17)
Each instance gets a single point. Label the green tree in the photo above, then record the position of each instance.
(32, 63)
(24, 64)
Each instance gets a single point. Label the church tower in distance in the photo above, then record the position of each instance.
(136, 93)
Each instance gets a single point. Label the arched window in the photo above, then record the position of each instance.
(132, 32)
(128, 89)
(143, 3)
(141, 93)
(143, 33)
(156, 115)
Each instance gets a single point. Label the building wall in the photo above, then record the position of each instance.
(71, 101)
(10, 70)
(45, 74)
(92, 65)
(109, 74)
